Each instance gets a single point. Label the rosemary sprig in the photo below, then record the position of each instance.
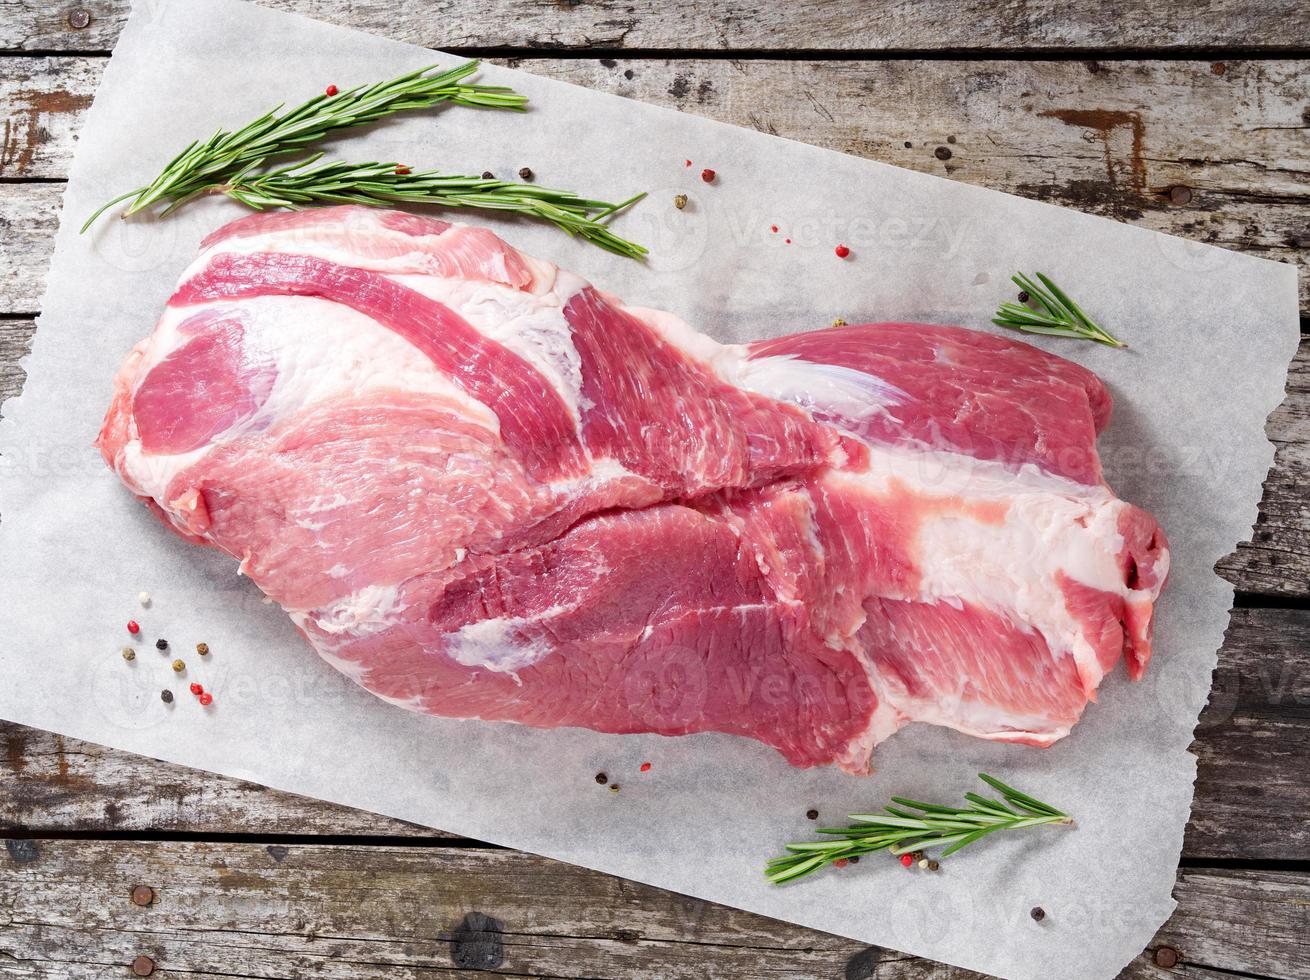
(1056, 315)
(902, 832)
(231, 152)
(386, 184)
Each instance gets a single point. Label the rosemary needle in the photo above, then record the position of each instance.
(231, 152)
(900, 830)
(1056, 314)
(387, 184)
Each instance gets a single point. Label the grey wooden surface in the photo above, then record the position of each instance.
(1188, 118)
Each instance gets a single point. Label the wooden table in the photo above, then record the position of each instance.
(1190, 118)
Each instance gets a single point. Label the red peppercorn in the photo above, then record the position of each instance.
(401, 171)
(206, 699)
(133, 626)
(707, 175)
(686, 163)
(840, 863)
(330, 90)
(842, 251)
(906, 860)
(787, 240)
(773, 228)
(645, 767)
(197, 689)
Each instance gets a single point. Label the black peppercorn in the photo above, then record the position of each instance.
(525, 173)
(161, 644)
(488, 175)
(1023, 296)
(602, 778)
(166, 697)
(1038, 913)
(811, 814)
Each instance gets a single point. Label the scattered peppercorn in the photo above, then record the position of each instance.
(129, 653)
(916, 855)
(923, 863)
(839, 322)
(330, 90)
(488, 175)
(166, 697)
(1038, 913)
(773, 228)
(787, 241)
(161, 644)
(143, 598)
(842, 251)
(855, 859)
(840, 863)
(402, 171)
(933, 865)
(206, 699)
(179, 666)
(197, 689)
(811, 814)
(686, 163)
(525, 173)
(602, 778)
(906, 860)
(679, 201)
(707, 175)
(645, 767)
(133, 626)
(1023, 296)
(202, 649)
(614, 788)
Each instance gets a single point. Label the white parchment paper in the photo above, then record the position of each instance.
(1211, 334)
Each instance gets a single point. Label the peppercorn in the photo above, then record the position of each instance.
(488, 175)
(855, 859)
(525, 173)
(923, 863)
(133, 626)
(196, 688)
(161, 644)
(811, 814)
(645, 767)
(839, 322)
(330, 90)
(841, 863)
(679, 201)
(906, 860)
(602, 778)
(1038, 913)
(202, 649)
(402, 171)
(842, 251)
(206, 699)
(166, 697)
(932, 864)
(143, 598)
(773, 228)
(707, 175)
(916, 855)
(129, 653)
(1023, 296)
(614, 788)
(179, 666)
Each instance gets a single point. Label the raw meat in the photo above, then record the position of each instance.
(484, 489)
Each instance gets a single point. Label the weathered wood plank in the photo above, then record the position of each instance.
(1253, 745)
(340, 912)
(29, 217)
(1042, 25)
(1101, 137)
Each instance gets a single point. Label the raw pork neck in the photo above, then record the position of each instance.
(484, 489)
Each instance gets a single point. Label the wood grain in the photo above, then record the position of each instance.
(318, 911)
(1253, 747)
(726, 25)
(1099, 137)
